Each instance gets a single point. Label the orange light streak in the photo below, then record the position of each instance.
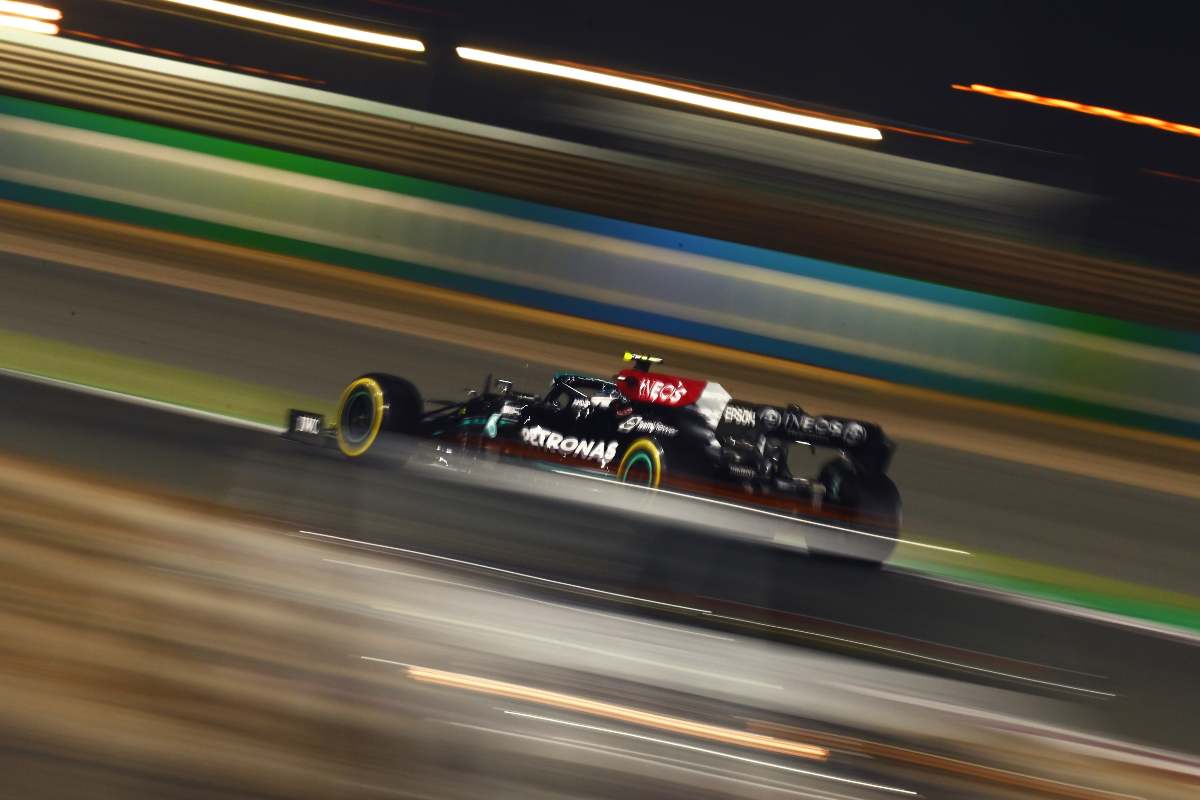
(699, 730)
(1082, 108)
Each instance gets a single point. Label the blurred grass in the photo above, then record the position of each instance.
(1058, 584)
(152, 380)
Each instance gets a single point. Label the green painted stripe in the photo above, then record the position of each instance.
(1180, 616)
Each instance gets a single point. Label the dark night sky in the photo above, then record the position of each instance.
(891, 60)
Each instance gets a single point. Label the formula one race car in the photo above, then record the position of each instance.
(650, 429)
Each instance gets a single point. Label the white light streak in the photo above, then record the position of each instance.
(31, 10)
(26, 24)
(711, 752)
(304, 24)
(661, 761)
(661, 92)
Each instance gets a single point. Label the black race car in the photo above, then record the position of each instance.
(650, 429)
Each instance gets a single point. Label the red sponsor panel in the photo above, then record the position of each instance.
(663, 390)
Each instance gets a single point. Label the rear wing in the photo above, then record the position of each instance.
(864, 443)
(640, 362)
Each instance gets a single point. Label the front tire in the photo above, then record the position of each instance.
(373, 405)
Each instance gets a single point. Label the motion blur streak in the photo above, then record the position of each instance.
(770, 103)
(617, 185)
(910, 654)
(1083, 108)
(812, 523)
(415, 576)
(707, 751)
(30, 10)
(633, 716)
(302, 24)
(175, 54)
(945, 764)
(884, 330)
(25, 24)
(668, 93)
(509, 572)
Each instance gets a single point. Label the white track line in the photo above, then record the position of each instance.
(658, 760)
(625, 620)
(711, 752)
(347, 542)
(133, 399)
(343, 541)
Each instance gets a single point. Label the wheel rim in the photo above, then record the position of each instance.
(360, 416)
(641, 464)
(639, 470)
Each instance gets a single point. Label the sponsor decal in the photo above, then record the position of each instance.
(656, 391)
(850, 432)
(739, 415)
(769, 418)
(646, 426)
(855, 433)
(666, 390)
(587, 449)
(624, 411)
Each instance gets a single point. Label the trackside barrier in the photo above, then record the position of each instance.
(733, 295)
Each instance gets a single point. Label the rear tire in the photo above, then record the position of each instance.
(641, 464)
(374, 405)
(865, 502)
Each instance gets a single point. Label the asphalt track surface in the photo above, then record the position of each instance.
(928, 626)
(163, 648)
(969, 501)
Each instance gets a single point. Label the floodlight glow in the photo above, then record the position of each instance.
(26, 24)
(669, 93)
(30, 10)
(303, 24)
(1082, 108)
